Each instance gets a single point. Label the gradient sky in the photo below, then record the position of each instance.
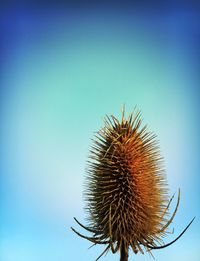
(63, 67)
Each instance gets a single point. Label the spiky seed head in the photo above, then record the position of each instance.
(126, 188)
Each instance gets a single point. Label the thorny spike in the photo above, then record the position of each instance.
(165, 211)
(110, 231)
(168, 244)
(91, 239)
(86, 228)
(171, 219)
(126, 189)
(106, 249)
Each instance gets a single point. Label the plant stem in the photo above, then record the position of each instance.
(123, 252)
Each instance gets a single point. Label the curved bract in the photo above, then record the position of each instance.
(126, 189)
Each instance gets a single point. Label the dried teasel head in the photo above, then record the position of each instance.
(126, 189)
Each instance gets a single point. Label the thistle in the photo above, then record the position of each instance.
(126, 189)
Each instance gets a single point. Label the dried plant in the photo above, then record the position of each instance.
(126, 189)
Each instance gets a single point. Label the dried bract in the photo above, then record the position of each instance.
(126, 189)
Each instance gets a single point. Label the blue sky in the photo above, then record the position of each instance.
(64, 66)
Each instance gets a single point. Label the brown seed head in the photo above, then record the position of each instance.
(126, 188)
